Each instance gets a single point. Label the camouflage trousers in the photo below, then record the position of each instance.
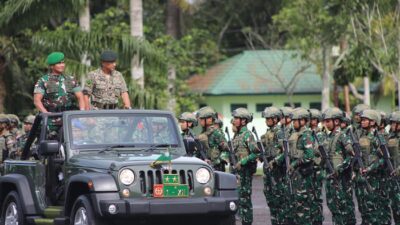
(365, 202)
(275, 194)
(373, 203)
(304, 199)
(317, 209)
(339, 197)
(394, 196)
(380, 197)
(245, 189)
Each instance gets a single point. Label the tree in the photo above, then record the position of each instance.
(376, 26)
(313, 28)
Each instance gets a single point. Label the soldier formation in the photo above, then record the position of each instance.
(305, 151)
(301, 150)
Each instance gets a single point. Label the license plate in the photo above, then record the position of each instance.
(171, 191)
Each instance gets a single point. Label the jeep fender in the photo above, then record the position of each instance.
(225, 181)
(79, 184)
(20, 184)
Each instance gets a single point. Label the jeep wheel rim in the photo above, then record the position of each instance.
(11, 214)
(81, 217)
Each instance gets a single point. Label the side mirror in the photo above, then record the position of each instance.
(49, 147)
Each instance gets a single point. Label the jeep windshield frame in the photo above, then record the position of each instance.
(129, 131)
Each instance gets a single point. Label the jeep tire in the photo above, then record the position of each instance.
(12, 212)
(82, 212)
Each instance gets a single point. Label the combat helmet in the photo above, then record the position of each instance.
(384, 118)
(346, 118)
(286, 110)
(13, 119)
(4, 118)
(206, 112)
(395, 117)
(270, 112)
(243, 113)
(219, 122)
(29, 119)
(316, 114)
(300, 113)
(370, 114)
(359, 108)
(333, 113)
(189, 117)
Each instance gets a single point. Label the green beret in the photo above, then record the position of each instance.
(108, 56)
(55, 57)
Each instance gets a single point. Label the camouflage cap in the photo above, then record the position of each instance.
(108, 56)
(206, 112)
(333, 113)
(13, 118)
(286, 110)
(29, 119)
(316, 114)
(359, 108)
(55, 57)
(243, 113)
(370, 114)
(270, 112)
(300, 113)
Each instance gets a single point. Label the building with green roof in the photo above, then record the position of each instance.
(262, 78)
(257, 79)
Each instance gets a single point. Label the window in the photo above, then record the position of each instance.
(296, 104)
(315, 105)
(261, 106)
(238, 105)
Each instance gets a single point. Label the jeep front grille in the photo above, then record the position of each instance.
(149, 178)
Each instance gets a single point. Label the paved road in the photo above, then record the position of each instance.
(261, 210)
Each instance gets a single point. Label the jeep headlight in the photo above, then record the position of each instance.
(203, 175)
(126, 176)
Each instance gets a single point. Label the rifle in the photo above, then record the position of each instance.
(285, 146)
(324, 155)
(385, 152)
(357, 155)
(261, 146)
(199, 145)
(232, 157)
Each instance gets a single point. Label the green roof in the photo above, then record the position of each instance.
(258, 72)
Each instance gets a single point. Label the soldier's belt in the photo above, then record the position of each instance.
(104, 106)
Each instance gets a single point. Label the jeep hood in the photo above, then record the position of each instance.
(113, 161)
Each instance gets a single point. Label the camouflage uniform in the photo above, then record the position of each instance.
(7, 142)
(274, 186)
(393, 146)
(105, 89)
(376, 201)
(58, 92)
(339, 191)
(212, 139)
(320, 174)
(304, 199)
(247, 152)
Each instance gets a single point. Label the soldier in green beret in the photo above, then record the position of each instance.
(55, 91)
(105, 85)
